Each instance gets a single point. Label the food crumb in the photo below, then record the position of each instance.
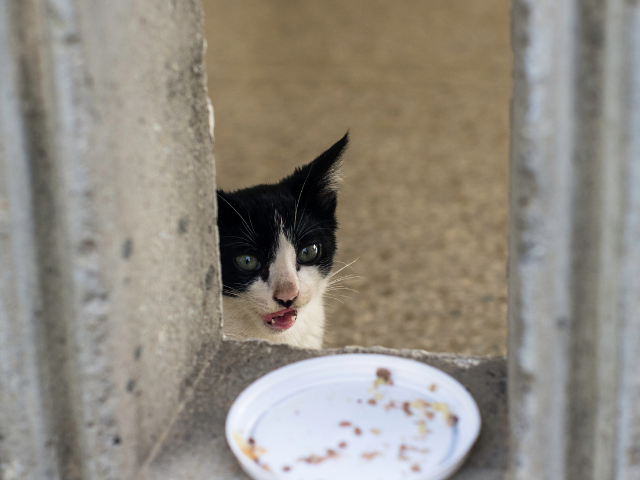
(378, 396)
(422, 428)
(315, 459)
(345, 424)
(430, 415)
(375, 431)
(371, 401)
(452, 420)
(404, 448)
(420, 404)
(248, 447)
(286, 468)
(390, 405)
(359, 401)
(441, 407)
(342, 444)
(357, 431)
(406, 408)
(312, 459)
(385, 375)
(415, 467)
(433, 387)
(370, 455)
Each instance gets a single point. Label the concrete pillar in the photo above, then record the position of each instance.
(109, 286)
(574, 302)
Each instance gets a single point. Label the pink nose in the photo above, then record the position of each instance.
(286, 297)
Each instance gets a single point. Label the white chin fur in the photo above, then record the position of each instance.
(240, 323)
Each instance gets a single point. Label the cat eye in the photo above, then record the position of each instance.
(248, 263)
(309, 253)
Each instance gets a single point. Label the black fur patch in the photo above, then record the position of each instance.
(304, 203)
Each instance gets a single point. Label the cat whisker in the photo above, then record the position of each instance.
(239, 244)
(338, 295)
(344, 263)
(347, 265)
(231, 290)
(334, 298)
(343, 279)
(246, 240)
(248, 236)
(341, 287)
(233, 236)
(251, 223)
(295, 214)
(234, 209)
(309, 229)
(297, 229)
(329, 305)
(307, 232)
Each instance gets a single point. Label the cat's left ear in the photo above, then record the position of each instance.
(319, 180)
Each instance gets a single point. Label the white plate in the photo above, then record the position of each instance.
(330, 418)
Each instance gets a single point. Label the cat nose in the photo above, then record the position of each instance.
(286, 298)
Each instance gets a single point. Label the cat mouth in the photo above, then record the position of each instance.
(282, 320)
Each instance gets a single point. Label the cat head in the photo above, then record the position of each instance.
(277, 244)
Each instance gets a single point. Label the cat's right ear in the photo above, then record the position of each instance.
(319, 180)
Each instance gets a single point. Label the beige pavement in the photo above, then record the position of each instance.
(424, 88)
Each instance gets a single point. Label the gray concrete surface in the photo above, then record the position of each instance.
(574, 388)
(196, 448)
(424, 87)
(111, 359)
(109, 291)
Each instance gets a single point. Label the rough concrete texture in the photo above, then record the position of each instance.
(196, 448)
(574, 387)
(109, 299)
(111, 356)
(424, 87)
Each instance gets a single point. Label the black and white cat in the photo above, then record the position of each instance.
(277, 244)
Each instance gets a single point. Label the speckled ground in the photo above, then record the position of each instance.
(424, 88)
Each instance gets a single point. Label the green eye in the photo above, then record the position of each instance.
(309, 253)
(248, 263)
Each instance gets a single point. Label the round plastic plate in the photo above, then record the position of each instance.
(354, 416)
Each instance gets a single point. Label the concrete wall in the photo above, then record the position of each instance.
(109, 302)
(111, 359)
(574, 387)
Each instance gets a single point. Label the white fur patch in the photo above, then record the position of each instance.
(243, 315)
(334, 179)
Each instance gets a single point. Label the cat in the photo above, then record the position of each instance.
(277, 244)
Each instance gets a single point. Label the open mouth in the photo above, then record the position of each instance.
(282, 320)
